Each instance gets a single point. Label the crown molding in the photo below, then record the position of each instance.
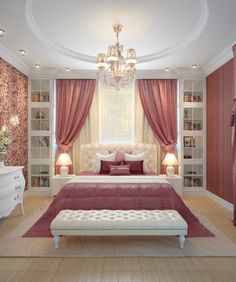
(14, 60)
(222, 58)
(176, 73)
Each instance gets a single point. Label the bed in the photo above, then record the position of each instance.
(90, 191)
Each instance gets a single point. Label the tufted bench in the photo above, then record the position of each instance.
(118, 222)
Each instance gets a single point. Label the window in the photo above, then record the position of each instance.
(116, 115)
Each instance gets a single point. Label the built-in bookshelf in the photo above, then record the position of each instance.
(193, 134)
(40, 135)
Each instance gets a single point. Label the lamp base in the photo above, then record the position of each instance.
(170, 171)
(64, 171)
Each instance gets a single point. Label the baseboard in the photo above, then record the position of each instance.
(220, 201)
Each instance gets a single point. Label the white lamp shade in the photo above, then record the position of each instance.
(170, 159)
(64, 160)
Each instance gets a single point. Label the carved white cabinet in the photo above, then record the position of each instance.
(12, 185)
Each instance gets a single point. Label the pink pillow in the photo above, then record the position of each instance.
(136, 167)
(105, 169)
(119, 169)
(120, 155)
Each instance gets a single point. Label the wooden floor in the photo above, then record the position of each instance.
(129, 269)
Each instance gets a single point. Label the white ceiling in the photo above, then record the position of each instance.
(70, 33)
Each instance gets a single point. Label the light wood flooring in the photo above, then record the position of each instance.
(124, 269)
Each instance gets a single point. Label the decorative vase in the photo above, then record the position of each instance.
(2, 157)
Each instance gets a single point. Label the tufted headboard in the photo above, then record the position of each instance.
(88, 153)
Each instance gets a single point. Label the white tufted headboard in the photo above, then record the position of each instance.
(88, 153)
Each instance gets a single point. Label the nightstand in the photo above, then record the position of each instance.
(175, 181)
(58, 182)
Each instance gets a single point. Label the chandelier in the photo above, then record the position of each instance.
(114, 70)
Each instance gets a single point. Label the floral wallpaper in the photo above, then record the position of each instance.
(14, 100)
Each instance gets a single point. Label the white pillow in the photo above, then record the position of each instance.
(138, 157)
(100, 157)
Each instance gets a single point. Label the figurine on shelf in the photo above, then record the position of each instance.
(185, 113)
(45, 141)
(40, 115)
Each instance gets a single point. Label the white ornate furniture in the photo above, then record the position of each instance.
(193, 134)
(118, 222)
(40, 125)
(12, 185)
(88, 153)
(58, 182)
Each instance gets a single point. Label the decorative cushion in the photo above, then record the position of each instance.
(119, 169)
(101, 157)
(138, 157)
(136, 167)
(105, 166)
(120, 155)
(88, 153)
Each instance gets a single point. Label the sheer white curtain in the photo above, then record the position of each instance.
(143, 132)
(90, 131)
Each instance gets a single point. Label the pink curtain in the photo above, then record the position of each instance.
(233, 123)
(73, 100)
(159, 101)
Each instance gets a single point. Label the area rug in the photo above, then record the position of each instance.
(107, 196)
(12, 244)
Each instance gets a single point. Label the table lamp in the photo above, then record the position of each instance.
(170, 160)
(64, 160)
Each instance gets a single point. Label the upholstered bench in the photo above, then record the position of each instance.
(118, 222)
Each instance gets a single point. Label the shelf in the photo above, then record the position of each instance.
(193, 105)
(193, 134)
(40, 134)
(40, 104)
(193, 175)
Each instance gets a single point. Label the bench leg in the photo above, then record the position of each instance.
(181, 241)
(56, 240)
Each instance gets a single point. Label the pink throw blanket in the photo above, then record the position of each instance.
(76, 196)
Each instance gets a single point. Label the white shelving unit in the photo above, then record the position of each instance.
(193, 135)
(40, 135)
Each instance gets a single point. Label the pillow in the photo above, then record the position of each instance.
(105, 166)
(120, 155)
(101, 157)
(136, 167)
(138, 157)
(119, 169)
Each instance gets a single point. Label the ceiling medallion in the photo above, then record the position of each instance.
(114, 70)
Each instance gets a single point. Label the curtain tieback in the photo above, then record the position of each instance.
(170, 147)
(63, 148)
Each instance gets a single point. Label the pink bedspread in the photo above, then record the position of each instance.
(117, 196)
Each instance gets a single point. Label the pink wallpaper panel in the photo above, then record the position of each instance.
(220, 93)
(14, 100)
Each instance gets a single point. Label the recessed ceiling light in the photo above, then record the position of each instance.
(37, 66)
(22, 52)
(167, 69)
(67, 69)
(2, 32)
(194, 66)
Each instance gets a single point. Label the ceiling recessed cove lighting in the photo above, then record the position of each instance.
(194, 66)
(22, 52)
(2, 32)
(167, 69)
(37, 66)
(67, 69)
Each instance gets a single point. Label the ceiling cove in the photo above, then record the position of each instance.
(197, 27)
